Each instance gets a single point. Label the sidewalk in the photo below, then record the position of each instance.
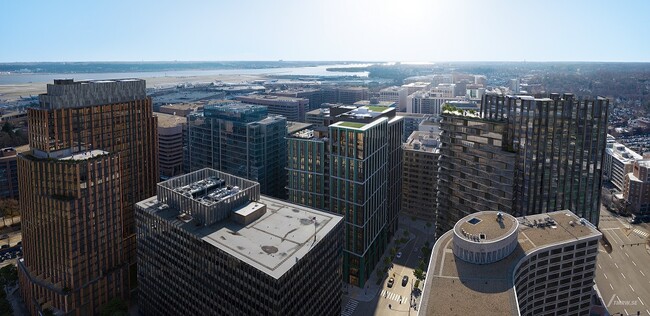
(372, 289)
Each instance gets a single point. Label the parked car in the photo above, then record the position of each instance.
(391, 281)
(405, 280)
(399, 255)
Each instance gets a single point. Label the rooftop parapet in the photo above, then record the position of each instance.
(207, 195)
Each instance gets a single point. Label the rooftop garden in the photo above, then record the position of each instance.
(352, 124)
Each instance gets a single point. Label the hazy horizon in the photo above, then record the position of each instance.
(336, 30)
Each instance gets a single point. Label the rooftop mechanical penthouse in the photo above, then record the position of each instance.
(210, 244)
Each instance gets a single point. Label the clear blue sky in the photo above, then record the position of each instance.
(373, 30)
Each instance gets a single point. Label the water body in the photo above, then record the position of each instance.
(316, 71)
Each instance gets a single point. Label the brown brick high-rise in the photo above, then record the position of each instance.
(93, 156)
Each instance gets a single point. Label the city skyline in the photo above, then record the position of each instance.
(333, 30)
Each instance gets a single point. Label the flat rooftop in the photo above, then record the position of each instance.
(377, 103)
(84, 155)
(169, 120)
(423, 141)
(273, 244)
(293, 127)
(267, 97)
(456, 287)
(485, 224)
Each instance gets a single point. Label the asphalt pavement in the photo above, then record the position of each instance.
(623, 276)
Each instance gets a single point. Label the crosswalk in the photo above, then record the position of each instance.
(349, 307)
(641, 233)
(390, 295)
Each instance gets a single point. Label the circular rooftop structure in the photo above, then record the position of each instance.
(485, 237)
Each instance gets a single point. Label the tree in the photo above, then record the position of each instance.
(387, 260)
(393, 251)
(418, 274)
(8, 275)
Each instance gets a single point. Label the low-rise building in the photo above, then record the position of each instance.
(416, 86)
(293, 109)
(181, 109)
(209, 244)
(395, 94)
(497, 264)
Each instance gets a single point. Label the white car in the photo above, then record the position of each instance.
(398, 255)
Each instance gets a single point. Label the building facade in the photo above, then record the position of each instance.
(344, 95)
(394, 94)
(315, 96)
(353, 169)
(170, 144)
(9, 171)
(559, 145)
(209, 244)
(550, 271)
(636, 191)
(619, 161)
(93, 155)
(240, 139)
(293, 109)
(476, 172)
(420, 176)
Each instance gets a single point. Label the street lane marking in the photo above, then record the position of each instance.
(642, 303)
(610, 285)
(599, 267)
(616, 265)
(623, 275)
(349, 308)
(630, 285)
(627, 255)
(605, 276)
(610, 256)
(634, 263)
(390, 295)
(640, 233)
(647, 311)
(642, 272)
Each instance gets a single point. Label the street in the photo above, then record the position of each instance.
(623, 276)
(398, 296)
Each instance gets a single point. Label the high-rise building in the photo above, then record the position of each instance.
(522, 156)
(476, 173)
(619, 161)
(293, 109)
(352, 168)
(170, 144)
(420, 176)
(93, 156)
(497, 264)
(240, 139)
(636, 191)
(560, 147)
(210, 244)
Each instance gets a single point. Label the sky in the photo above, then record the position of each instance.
(331, 30)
